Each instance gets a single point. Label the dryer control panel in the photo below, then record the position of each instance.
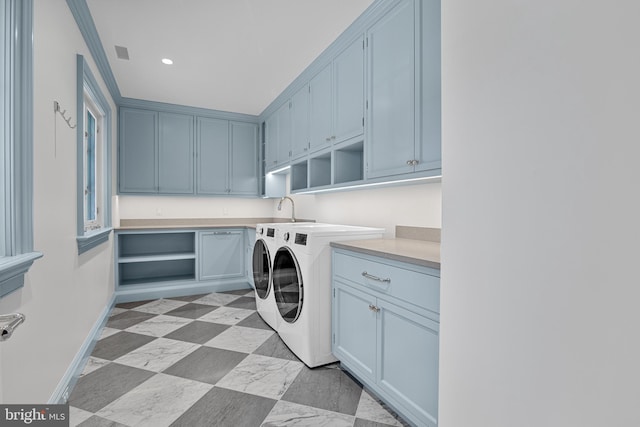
(301, 239)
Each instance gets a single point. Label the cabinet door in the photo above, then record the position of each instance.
(213, 156)
(221, 255)
(138, 151)
(408, 360)
(320, 126)
(354, 329)
(428, 151)
(244, 158)
(175, 154)
(271, 142)
(391, 92)
(284, 133)
(300, 122)
(348, 90)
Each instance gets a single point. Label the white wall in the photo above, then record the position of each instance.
(540, 294)
(416, 205)
(64, 293)
(156, 207)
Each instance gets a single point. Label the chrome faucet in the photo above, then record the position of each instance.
(293, 207)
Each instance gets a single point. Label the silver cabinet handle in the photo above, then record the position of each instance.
(221, 233)
(412, 162)
(328, 139)
(376, 278)
(374, 308)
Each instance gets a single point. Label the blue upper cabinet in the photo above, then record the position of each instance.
(320, 126)
(243, 176)
(227, 157)
(337, 99)
(300, 122)
(213, 156)
(284, 134)
(278, 137)
(271, 142)
(168, 153)
(175, 154)
(138, 152)
(391, 93)
(428, 152)
(348, 92)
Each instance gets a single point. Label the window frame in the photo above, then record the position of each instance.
(16, 144)
(88, 90)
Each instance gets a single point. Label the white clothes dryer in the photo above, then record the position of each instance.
(302, 286)
(263, 254)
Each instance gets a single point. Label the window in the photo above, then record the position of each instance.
(16, 143)
(94, 162)
(93, 173)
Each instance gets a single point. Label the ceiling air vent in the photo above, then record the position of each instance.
(122, 52)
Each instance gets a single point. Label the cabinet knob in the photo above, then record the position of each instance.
(374, 308)
(333, 137)
(328, 139)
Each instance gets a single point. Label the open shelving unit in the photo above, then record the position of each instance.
(156, 257)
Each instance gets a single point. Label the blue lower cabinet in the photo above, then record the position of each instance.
(354, 330)
(408, 362)
(383, 336)
(221, 254)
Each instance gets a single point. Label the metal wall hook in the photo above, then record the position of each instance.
(8, 323)
(56, 108)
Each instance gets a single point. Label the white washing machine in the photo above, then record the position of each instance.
(263, 254)
(302, 286)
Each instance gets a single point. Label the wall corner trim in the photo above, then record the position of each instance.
(87, 27)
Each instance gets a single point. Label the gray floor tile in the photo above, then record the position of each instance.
(238, 291)
(325, 388)
(206, 364)
(367, 423)
(133, 304)
(156, 402)
(224, 408)
(119, 344)
(254, 321)
(192, 310)
(243, 302)
(96, 421)
(274, 347)
(292, 414)
(188, 298)
(197, 332)
(128, 319)
(101, 387)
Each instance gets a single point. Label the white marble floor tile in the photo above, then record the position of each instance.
(217, 299)
(107, 332)
(78, 416)
(370, 409)
(93, 363)
(239, 338)
(155, 403)
(157, 355)
(292, 414)
(160, 306)
(262, 375)
(117, 310)
(159, 326)
(227, 315)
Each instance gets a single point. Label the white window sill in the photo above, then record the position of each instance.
(92, 239)
(13, 269)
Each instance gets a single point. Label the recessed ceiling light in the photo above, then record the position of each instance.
(167, 61)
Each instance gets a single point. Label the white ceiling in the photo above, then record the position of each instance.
(230, 55)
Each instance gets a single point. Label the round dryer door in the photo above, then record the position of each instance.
(287, 284)
(261, 269)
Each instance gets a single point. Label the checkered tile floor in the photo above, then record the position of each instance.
(210, 360)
